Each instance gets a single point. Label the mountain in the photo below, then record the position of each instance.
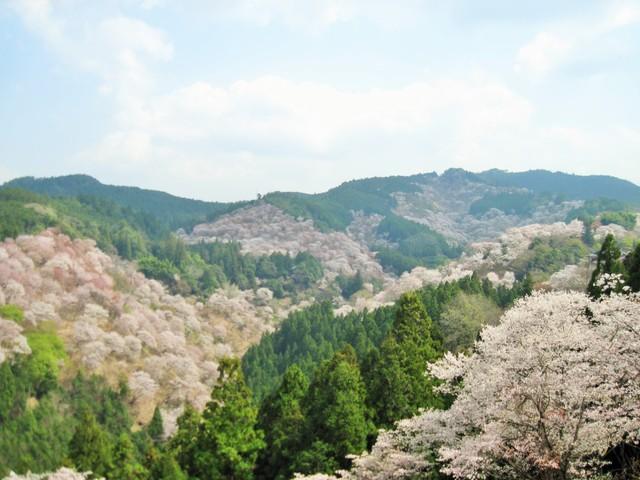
(176, 211)
(576, 187)
(398, 222)
(118, 300)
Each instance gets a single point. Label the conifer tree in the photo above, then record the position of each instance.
(608, 262)
(7, 390)
(398, 386)
(155, 429)
(282, 419)
(90, 448)
(337, 418)
(184, 443)
(228, 441)
(163, 466)
(125, 463)
(632, 265)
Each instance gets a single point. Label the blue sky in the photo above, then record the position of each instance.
(224, 99)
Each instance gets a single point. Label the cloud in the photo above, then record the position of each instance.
(116, 48)
(551, 48)
(543, 53)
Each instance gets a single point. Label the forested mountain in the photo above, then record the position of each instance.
(175, 211)
(577, 187)
(281, 335)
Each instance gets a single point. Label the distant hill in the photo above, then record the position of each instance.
(175, 211)
(573, 187)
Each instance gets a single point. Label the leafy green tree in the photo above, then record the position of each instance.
(125, 464)
(336, 412)
(608, 262)
(90, 448)
(282, 419)
(398, 386)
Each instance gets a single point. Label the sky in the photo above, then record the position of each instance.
(225, 99)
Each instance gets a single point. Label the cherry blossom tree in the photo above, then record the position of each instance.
(546, 394)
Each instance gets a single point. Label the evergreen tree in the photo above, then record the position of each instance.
(7, 390)
(587, 233)
(90, 448)
(125, 463)
(397, 384)
(632, 265)
(155, 429)
(608, 262)
(282, 420)
(337, 418)
(184, 444)
(226, 442)
(163, 466)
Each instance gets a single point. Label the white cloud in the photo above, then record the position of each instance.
(556, 46)
(543, 53)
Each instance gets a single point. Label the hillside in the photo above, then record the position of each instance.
(577, 187)
(176, 211)
(113, 323)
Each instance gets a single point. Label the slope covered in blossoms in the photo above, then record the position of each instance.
(118, 323)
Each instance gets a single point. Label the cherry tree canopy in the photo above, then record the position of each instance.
(545, 394)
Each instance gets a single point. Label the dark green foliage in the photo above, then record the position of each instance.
(587, 232)
(511, 203)
(155, 429)
(571, 186)
(396, 228)
(92, 394)
(396, 262)
(7, 391)
(223, 442)
(18, 216)
(34, 438)
(162, 270)
(350, 285)
(163, 466)
(336, 414)
(417, 245)
(184, 443)
(125, 463)
(332, 210)
(397, 383)
(283, 422)
(318, 457)
(625, 219)
(632, 265)
(549, 255)
(595, 207)
(308, 337)
(176, 211)
(91, 448)
(34, 424)
(608, 262)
